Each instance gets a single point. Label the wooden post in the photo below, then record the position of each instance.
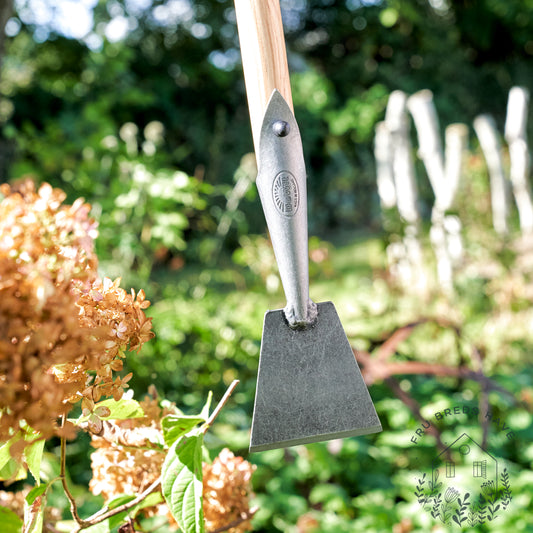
(516, 137)
(456, 136)
(444, 172)
(410, 268)
(424, 115)
(403, 168)
(486, 131)
(384, 169)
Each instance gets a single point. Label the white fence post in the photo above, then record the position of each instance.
(515, 135)
(485, 128)
(407, 256)
(444, 172)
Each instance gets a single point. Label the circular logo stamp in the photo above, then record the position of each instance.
(286, 194)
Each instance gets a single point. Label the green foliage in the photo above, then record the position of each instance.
(182, 482)
(34, 507)
(11, 523)
(120, 410)
(15, 468)
(175, 426)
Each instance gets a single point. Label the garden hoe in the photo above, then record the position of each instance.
(309, 386)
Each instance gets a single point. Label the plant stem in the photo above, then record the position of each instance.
(63, 477)
(220, 405)
(104, 514)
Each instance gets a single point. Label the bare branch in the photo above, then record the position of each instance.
(63, 477)
(220, 405)
(101, 516)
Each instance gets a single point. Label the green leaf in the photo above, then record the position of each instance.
(33, 455)
(34, 511)
(117, 502)
(102, 527)
(120, 500)
(175, 426)
(121, 410)
(11, 469)
(182, 482)
(205, 409)
(5, 456)
(36, 492)
(152, 499)
(11, 523)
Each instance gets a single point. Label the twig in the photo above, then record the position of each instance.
(100, 517)
(218, 408)
(387, 349)
(63, 477)
(245, 516)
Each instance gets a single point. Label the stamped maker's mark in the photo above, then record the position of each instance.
(286, 194)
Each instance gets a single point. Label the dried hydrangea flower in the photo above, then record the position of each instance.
(55, 340)
(227, 491)
(127, 460)
(128, 456)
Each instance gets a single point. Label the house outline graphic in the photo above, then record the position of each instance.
(465, 465)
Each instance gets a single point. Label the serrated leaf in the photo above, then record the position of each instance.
(182, 482)
(10, 521)
(33, 455)
(175, 426)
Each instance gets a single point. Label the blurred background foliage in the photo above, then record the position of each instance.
(140, 108)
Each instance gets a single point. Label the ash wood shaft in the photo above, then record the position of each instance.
(264, 58)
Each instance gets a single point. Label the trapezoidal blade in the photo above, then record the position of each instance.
(309, 386)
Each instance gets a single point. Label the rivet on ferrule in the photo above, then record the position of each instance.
(281, 128)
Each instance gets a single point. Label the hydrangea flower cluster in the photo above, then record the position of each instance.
(128, 458)
(63, 331)
(227, 491)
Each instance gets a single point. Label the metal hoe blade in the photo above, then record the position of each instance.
(309, 386)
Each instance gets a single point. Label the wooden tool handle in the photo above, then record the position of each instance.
(264, 58)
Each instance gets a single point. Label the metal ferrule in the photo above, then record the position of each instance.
(281, 182)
